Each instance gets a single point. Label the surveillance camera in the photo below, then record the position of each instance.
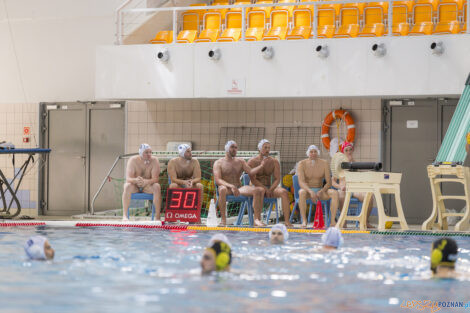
(379, 50)
(437, 48)
(214, 54)
(163, 56)
(322, 51)
(267, 52)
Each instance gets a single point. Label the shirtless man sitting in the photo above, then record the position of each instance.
(311, 173)
(227, 172)
(184, 171)
(142, 175)
(271, 168)
(340, 183)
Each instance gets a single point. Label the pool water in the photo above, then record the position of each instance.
(132, 270)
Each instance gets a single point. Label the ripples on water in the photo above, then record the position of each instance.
(129, 270)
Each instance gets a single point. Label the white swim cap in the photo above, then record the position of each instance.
(34, 248)
(182, 149)
(261, 143)
(282, 228)
(143, 147)
(312, 147)
(219, 237)
(332, 237)
(229, 144)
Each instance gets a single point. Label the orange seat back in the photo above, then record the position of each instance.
(190, 20)
(233, 20)
(401, 10)
(212, 20)
(374, 12)
(327, 14)
(302, 17)
(256, 19)
(279, 19)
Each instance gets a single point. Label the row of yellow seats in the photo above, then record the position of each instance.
(420, 17)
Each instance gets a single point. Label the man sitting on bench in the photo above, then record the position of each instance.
(184, 171)
(142, 175)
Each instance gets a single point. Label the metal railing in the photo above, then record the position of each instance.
(244, 8)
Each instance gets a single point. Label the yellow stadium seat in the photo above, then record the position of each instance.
(302, 17)
(212, 24)
(256, 23)
(423, 13)
(349, 19)
(221, 11)
(233, 26)
(164, 36)
(401, 13)
(374, 16)
(279, 25)
(199, 12)
(186, 36)
(288, 8)
(448, 17)
(327, 20)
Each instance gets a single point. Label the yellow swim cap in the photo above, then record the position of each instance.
(468, 138)
(444, 252)
(388, 224)
(223, 255)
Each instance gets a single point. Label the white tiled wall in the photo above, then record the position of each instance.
(13, 117)
(199, 121)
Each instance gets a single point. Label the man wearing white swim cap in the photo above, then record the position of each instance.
(142, 175)
(269, 177)
(227, 173)
(311, 173)
(184, 171)
(38, 248)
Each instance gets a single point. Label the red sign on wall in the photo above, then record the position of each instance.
(183, 204)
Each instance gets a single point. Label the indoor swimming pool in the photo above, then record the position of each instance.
(102, 269)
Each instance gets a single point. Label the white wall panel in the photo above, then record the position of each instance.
(408, 69)
(126, 72)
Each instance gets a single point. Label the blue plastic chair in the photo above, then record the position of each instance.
(245, 204)
(271, 201)
(143, 196)
(325, 204)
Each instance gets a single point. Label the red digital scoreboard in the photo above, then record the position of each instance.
(183, 204)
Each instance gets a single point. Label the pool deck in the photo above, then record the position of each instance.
(64, 221)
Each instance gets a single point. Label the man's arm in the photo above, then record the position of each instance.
(218, 176)
(327, 178)
(155, 173)
(130, 173)
(276, 174)
(196, 173)
(251, 171)
(172, 173)
(253, 178)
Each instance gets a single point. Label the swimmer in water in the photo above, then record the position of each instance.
(278, 234)
(38, 248)
(227, 173)
(311, 173)
(184, 171)
(269, 178)
(332, 239)
(443, 258)
(142, 175)
(217, 256)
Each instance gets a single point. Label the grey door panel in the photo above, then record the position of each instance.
(414, 145)
(106, 143)
(67, 161)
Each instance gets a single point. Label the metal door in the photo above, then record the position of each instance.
(66, 175)
(412, 146)
(107, 126)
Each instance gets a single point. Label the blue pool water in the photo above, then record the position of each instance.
(131, 270)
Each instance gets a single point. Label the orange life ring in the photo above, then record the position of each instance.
(329, 119)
